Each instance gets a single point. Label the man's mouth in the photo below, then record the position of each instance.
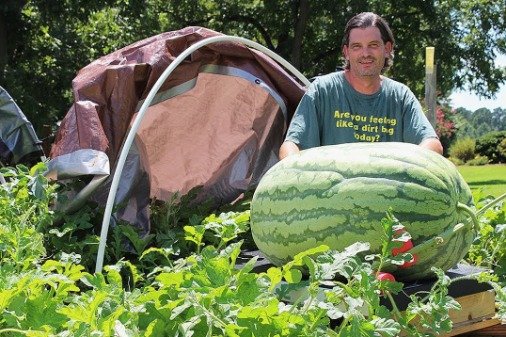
(366, 61)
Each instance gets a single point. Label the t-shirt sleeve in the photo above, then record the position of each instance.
(304, 128)
(416, 125)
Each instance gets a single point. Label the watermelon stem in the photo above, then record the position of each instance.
(395, 309)
(427, 245)
(450, 281)
(490, 204)
(344, 323)
(443, 237)
(472, 214)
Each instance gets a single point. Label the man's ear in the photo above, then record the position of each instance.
(388, 49)
(345, 52)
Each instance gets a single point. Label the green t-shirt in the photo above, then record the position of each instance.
(332, 112)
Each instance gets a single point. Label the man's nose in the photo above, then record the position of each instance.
(366, 51)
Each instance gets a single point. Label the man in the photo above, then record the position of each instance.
(359, 103)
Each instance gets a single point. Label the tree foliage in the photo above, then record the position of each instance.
(478, 123)
(492, 145)
(43, 43)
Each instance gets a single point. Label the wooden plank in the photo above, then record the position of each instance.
(473, 329)
(477, 313)
(497, 330)
(475, 307)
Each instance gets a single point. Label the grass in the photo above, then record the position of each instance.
(491, 179)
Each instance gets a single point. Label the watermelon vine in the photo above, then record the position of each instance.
(165, 290)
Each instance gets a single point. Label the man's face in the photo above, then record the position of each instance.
(366, 51)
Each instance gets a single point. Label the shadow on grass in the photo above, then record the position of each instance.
(487, 182)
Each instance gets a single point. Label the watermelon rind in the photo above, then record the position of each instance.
(337, 195)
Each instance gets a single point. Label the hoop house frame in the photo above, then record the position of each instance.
(147, 102)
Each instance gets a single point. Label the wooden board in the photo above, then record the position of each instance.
(495, 330)
(477, 313)
(489, 328)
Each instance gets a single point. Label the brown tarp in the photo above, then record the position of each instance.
(216, 123)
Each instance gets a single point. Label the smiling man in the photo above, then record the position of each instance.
(359, 104)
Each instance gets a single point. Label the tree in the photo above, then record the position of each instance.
(498, 119)
(9, 17)
(48, 41)
(481, 116)
(478, 123)
(491, 145)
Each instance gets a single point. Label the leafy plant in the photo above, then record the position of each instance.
(213, 290)
(478, 160)
(489, 247)
(463, 149)
(489, 145)
(25, 198)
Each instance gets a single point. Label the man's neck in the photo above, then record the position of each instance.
(367, 85)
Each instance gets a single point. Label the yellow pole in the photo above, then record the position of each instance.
(429, 58)
(430, 85)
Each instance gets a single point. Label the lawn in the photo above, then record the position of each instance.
(490, 178)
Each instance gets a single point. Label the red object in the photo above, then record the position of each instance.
(402, 249)
(381, 276)
(406, 246)
(408, 264)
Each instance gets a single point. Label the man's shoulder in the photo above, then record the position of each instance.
(336, 75)
(394, 84)
(327, 80)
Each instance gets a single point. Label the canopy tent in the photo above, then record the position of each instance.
(18, 141)
(214, 124)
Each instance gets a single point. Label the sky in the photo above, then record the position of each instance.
(472, 102)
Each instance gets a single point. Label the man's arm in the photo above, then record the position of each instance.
(432, 144)
(288, 148)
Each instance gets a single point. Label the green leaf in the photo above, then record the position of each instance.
(293, 275)
(275, 276)
(298, 259)
(232, 329)
(386, 327)
(38, 187)
(195, 234)
(180, 309)
(261, 312)
(333, 262)
(34, 333)
(113, 275)
(248, 289)
(139, 243)
(165, 252)
(85, 312)
(171, 279)
(186, 328)
(155, 328)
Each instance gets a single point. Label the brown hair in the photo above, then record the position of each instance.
(368, 19)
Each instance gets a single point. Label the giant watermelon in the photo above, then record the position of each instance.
(337, 195)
